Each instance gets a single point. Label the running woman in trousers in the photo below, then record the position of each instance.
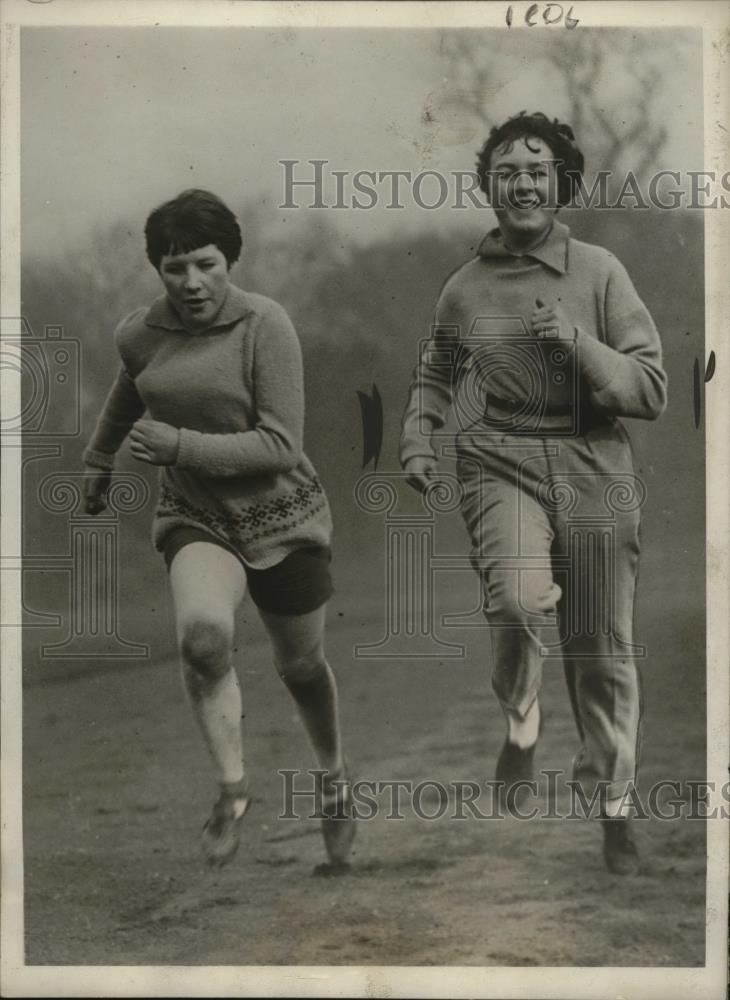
(219, 373)
(541, 343)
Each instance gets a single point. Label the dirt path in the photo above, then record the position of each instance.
(117, 788)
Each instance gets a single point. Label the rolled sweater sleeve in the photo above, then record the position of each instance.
(274, 444)
(432, 386)
(625, 374)
(121, 409)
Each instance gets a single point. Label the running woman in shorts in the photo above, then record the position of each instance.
(218, 373)
(543, 344)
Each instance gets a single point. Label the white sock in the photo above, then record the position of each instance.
(239, 807)
(236, 790)
(523, 732)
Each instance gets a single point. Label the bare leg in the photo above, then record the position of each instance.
(208, 583)
(298, 643)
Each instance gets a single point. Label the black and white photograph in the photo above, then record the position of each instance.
(365, 499)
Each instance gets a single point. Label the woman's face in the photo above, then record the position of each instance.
(524, 190)
(196, 284)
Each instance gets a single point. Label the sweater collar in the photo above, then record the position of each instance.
(235, 306)
(553, 251)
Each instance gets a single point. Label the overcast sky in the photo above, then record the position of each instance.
(116, 120)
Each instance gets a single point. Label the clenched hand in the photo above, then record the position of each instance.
(96, 486)
(549, 321)
(421, 472)
(154, 442)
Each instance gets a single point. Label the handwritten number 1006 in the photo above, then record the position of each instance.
(552, 13)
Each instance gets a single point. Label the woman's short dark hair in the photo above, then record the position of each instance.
(194, 219)
(558, 136)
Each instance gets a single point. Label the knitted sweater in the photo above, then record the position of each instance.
(481, 346)
(236, 392)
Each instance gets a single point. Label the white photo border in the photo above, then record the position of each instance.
(707, 982)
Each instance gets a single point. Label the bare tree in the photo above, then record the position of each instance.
(609, 83)
(627, 129)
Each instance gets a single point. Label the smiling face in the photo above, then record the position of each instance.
(524, 191)
(196, 284)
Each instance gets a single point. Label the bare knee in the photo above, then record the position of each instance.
(206, 653)
(298, 667)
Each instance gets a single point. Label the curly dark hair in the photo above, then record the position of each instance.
(194, 219)
(558, 136)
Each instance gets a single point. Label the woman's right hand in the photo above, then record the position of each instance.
(420, 471)
(96, 485)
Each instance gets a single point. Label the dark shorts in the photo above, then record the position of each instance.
(300, 583)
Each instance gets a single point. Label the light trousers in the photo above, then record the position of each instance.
(554, 525)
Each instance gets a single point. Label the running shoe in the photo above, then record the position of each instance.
(338, 821)
(222, 832)
(619, 850)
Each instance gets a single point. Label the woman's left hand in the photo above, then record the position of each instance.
(153, 442)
